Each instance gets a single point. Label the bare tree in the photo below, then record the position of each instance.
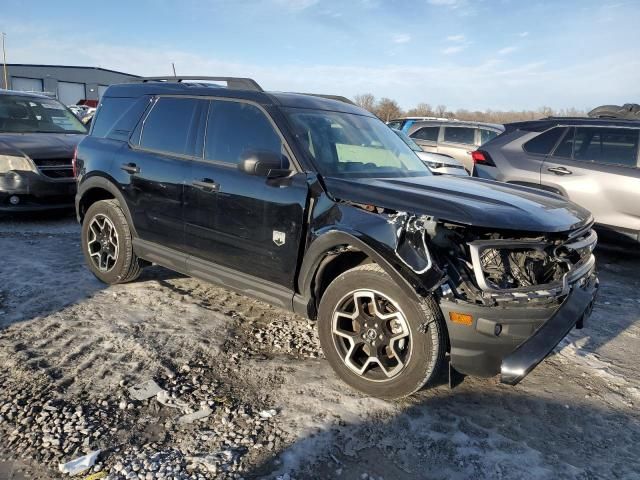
(421, 110)
(386, 109)
(441, 110)
(366, 101)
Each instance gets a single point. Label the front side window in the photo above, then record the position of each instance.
(22, 114)
(429, 134)
(463, 135)
(617, 146)
(170, 126)
(350, 145)
(235, 128)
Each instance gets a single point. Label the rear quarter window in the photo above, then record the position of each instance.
(117, 117)
(544, 143)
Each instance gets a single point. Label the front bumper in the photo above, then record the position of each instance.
(513, 340)
(35, 191)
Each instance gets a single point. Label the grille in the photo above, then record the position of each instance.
(55, 167)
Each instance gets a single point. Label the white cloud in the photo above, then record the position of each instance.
(454, 49)
(507, 50)
(498, 84)
(523, 34)
(402, 38)
(456, 38)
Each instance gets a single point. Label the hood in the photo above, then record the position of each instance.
(39, 145)
(465, 200)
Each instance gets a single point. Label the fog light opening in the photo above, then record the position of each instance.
(498, 329)
(14, 200)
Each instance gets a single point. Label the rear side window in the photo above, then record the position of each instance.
(565, 149)
(110, 111)
(427, 133)
(463, 135)
(617, 146)
(486, 135)
(171, 125)
(544, 143)
(235, 128)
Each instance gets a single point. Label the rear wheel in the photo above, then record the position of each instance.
(107, 244)
(377, 338)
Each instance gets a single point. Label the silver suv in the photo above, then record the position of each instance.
(454, 138)
(593, 162)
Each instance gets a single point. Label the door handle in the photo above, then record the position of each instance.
(206, 184)
(130, 167)
(560, 170)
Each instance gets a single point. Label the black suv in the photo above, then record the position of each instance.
(38, 136)
(316, 206)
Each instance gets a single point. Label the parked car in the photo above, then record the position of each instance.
(316, 206)
(593, 162)
(454, 138)
(38, 136)
(405, 123)
(437, 163)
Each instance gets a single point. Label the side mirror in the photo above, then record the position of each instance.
(263, 163)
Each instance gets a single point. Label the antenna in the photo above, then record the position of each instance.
(173, 65)
(4, 56)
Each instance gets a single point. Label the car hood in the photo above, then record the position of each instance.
(39, 145)
(465, 200)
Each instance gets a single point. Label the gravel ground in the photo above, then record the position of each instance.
(70, 348)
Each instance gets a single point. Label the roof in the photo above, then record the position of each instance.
(24, 94)
(281, 99)
(71, 66)
(546, 123)
(458, 123)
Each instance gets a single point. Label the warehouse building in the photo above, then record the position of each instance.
(67, 83)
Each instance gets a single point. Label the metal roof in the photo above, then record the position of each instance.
(70, 66)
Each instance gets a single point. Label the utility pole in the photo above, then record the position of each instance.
(4, 56)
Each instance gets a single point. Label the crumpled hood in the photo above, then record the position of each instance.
(39, 145)
(465, 200)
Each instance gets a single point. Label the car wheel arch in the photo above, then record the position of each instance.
(94, 189)
(334, 253)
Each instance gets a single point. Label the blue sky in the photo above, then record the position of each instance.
(499, 54)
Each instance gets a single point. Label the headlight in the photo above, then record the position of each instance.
(10, 162)
(434, 164)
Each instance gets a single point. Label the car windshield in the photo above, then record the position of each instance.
(350, 145)
(23, 114)
(407, 139)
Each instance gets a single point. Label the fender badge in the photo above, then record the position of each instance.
(279, 238)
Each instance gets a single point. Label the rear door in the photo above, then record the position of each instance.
(458, 142)
(247, 223)
(427, 138)
(597, 167)
(156, 163)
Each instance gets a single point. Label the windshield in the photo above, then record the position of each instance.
(348, 145)
(19, 114)
(407, 139)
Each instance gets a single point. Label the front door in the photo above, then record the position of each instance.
(597, 168)
(248, 223)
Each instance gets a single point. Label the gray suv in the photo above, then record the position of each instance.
(593, 162)
(454, 138)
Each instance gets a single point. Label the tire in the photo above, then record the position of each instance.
(347, 344)
(105, 227)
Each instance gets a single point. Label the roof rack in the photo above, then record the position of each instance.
(236, 83)
(338, 98)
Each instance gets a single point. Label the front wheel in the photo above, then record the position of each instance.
(107, 244)
(377, 338)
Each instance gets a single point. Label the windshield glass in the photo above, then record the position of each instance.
(407, 139)
(20, 114)
(348, 145)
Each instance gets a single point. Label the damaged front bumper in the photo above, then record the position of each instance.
(512, 340)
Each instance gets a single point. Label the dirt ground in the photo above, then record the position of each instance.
(71, 346)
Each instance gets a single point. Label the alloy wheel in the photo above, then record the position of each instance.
(102, 243)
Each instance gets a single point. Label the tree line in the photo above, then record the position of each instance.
(387, 109)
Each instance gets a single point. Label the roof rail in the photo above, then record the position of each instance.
(338, 98)
(236, 83)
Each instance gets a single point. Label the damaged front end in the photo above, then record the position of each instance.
(508, 298)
